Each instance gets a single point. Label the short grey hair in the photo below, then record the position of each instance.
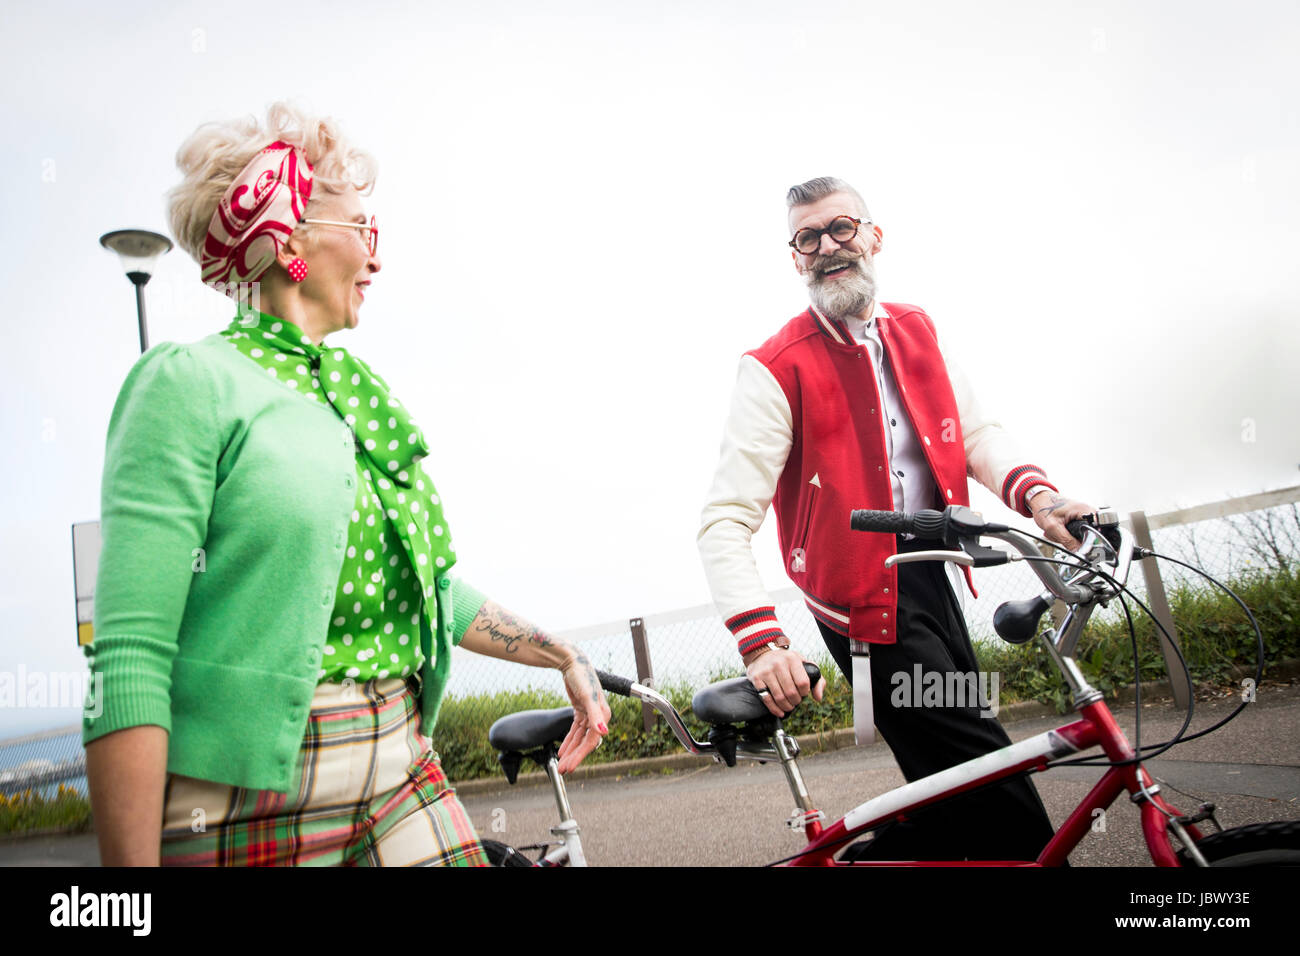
(805, 194)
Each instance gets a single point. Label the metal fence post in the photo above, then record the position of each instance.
(1160, 607)
(644, 673)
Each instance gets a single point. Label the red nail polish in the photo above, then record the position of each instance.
(602, 728)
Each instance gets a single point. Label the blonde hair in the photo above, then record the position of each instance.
(216, 153)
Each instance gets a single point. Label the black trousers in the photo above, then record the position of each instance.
(1004, 822)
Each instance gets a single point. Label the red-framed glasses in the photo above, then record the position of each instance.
(371, 231)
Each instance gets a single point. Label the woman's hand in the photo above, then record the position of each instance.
(590, 711)
(495, 632)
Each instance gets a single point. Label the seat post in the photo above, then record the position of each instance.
(567, 830)
(788, 749)
(557, 787)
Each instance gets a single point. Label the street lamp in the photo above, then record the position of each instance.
(139, 251)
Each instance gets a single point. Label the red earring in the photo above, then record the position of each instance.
(297, 270)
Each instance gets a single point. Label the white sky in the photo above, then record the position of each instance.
(583, 228)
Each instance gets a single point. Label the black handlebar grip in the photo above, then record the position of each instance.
(930, 524)
(888, 522)
(615, 684)
(923, 524)
(1076, 526)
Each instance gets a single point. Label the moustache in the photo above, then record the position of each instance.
(823, 264)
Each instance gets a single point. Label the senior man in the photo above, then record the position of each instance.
(854, 404)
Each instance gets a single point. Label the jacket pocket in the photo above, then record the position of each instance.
(797, 560)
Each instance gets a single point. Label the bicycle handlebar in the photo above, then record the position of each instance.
(960, 528)
(615, 684)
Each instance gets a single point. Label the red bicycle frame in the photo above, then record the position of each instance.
(1096, 727)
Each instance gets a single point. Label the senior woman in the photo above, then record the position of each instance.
(274, 610)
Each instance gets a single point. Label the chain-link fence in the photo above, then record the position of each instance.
(692, 647)
(40, 762)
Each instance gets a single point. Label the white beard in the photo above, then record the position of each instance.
(846, 294)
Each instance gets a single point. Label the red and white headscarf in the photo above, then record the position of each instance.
(255, 217)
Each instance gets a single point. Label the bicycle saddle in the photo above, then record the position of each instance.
(530, 729)
(735, 701)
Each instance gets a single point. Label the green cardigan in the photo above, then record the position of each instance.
(226, 505)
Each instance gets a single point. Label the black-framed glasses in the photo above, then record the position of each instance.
(842, 229)
(370, 236)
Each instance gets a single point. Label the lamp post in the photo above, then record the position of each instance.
(139, 251)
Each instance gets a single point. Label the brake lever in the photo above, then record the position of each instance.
(983, 557)
(956, 557)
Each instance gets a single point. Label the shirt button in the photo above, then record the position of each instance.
(339, 538)
(884, 631)
(886, 590)
(313, 656)
(326, 596)
(900, 474)
(949, 492)
(893, 421)
(873, 411)
(926, 439)
(885, 615)
(444, 583)
(880, 468)
(349, 481)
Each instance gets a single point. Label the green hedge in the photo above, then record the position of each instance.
(68, 810)
(1213, 634)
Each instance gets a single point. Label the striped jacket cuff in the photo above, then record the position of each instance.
(1017, 484)
(753, 629)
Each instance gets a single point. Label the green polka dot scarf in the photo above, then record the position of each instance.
(386, 437)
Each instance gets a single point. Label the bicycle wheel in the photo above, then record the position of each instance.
(503, 854)
(1259, 844)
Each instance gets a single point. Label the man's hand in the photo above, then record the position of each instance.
(1051, 511)
(781, 673)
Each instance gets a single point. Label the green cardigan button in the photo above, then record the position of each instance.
(327, 597)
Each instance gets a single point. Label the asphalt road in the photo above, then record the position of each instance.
(719, 816)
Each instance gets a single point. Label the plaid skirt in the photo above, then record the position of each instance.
(367, 791)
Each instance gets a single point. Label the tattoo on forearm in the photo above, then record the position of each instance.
(504, 627)
(494, 632)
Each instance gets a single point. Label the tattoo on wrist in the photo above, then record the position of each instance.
(587, 671)
(1056, 502)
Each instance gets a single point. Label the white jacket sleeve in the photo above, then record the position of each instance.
(755, 444)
